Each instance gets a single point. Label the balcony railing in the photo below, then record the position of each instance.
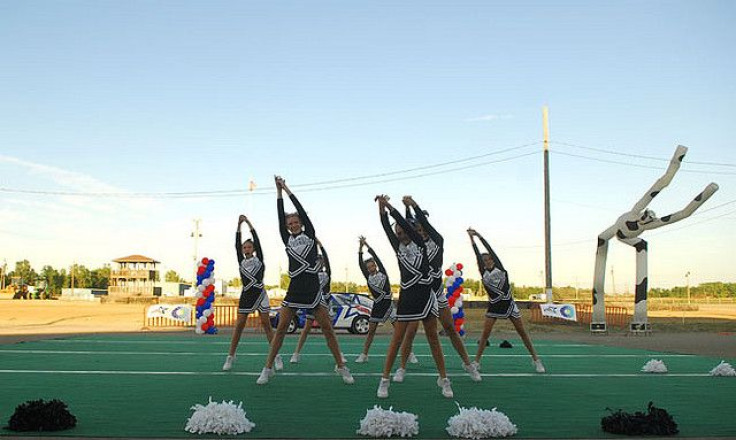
(133, 273)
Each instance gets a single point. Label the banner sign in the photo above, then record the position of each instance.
(177, 312)
(562, 311)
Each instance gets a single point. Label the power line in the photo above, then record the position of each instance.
(641, 156)
(724, 173)
(321, 186)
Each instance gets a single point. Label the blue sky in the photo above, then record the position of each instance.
(169, 96)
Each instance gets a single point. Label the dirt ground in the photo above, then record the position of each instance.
(33, 320)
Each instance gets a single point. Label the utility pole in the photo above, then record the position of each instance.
(346, 279)
(613, 281)
(687, 277)
(3, 270)
(547, 229)
(72, 275)
(196, 235)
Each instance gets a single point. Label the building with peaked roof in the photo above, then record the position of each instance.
(134, 275)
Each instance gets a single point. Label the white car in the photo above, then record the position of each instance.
(349, 311)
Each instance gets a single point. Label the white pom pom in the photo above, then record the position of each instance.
(654, 366)
(480, 423)
(379, 422)
(219, 418)
(723, 369)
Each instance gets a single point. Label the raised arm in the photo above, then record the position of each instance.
(422, 219)
(239, 241)
(377, 260)
(663, 181)
(256, 241)
(478, 257)
(361, 263)
(406, 226)
(280, 210)
(489, 249)
(686, 212)
(392, 238)
(308, 227)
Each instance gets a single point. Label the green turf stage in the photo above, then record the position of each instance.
(144, 385)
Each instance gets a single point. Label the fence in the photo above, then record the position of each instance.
(225, 316)
(615, 316)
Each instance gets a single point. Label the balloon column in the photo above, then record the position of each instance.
(454, 284)
(205, 297)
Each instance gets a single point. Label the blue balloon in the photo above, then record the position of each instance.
(460, 313)
(211, 263)
(451, 289)
(455, 316)
(462, 332)
(459, 280)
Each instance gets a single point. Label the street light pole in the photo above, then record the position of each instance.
(687, 277)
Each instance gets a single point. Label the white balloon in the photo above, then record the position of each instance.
(454, 309)
(212, 280)
(458, 303)
(462, 327)
(205, 282)
(207, 312)
(200, 288)
(202, 319)
(456, 273)
(453, 267)
(199, 295)
(199, 330)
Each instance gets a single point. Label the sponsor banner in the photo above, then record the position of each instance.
(177, 312)
(562, 311)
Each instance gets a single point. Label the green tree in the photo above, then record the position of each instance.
(284, 281)
(25, 272)
(235, 282)
(82, 276)
(171, 276)
(55, 279)
(100, 277)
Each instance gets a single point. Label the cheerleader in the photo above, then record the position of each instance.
(501, 302)
(325, 275)
(380, 288)
(253, 296)
(434, 243)
(416, 301)
(297, 233)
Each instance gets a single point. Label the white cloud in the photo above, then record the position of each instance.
(489, 117)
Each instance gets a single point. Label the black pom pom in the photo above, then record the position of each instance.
(39, 415)
(656, 421)
(505, 344)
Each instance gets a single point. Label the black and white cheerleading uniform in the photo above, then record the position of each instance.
(416, 301)
(253, 295)
(501, 302)
(380, 288)
(303, 264)
(325, 277)
(435, 252)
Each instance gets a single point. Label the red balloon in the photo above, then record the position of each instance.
(459, 289)
(200, 302)
(211, 318)
(460, 321)
(449, 272)
(209, 288)
(205, 261)
(200, 270)
(206, 326)
(451, 300)
(459, 266)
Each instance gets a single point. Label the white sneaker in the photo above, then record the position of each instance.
(342, 358)
(266, 374)
(472, 370)
(446, 387)
(278, 363)
(383, 388)
(295, 358)
(345, 373)
(413, 359)
(538, 366)
(477, 365)
(399, 375)
(362, 358)
(228, 363)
